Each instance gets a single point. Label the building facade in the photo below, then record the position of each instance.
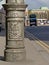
(42, 15)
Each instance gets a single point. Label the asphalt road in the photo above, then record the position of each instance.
(41, 32)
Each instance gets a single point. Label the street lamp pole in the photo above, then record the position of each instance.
(15, 13)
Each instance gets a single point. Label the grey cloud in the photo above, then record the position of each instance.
(34, 4)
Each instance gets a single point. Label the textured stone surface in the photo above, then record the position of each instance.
(15, 13)
(15, 1)
(20, 1)
(11, 1)
(15, 30)
(15, 55)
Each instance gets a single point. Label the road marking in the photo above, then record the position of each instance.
(41, 43)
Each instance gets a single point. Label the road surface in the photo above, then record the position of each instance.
(41, 32)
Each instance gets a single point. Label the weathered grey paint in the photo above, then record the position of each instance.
(15, 49)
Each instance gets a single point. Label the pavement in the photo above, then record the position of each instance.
(35, 54)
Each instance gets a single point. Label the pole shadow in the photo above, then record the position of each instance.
(2, 58)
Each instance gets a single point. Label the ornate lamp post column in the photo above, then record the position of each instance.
(15, 13)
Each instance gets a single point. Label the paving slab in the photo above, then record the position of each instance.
(33, 56)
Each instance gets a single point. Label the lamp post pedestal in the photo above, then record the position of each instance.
(15, 13)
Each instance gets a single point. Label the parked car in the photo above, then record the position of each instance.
(48, 22)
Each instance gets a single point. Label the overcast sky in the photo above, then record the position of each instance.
(1, 2)
(33, 4)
